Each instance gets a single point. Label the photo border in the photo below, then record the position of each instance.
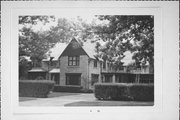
(11, 11)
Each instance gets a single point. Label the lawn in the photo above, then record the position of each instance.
(76, 99)
(110, 103)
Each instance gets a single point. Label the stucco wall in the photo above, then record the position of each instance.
(82, 68)
(45, 65)
(94, 70)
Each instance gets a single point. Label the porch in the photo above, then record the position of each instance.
(127, 77)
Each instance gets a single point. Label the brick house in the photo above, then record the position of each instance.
(76, 64)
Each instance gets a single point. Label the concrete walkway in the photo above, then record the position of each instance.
(60, 100)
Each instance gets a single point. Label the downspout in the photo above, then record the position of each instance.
(100, 64)
(88, 71)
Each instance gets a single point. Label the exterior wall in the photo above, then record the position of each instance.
(55, 64)
(47, 66)
(82, 68)
(94, 70)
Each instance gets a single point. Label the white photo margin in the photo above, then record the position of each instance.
(166, 61)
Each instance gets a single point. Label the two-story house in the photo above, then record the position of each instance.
(76, 64)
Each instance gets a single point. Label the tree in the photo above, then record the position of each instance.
(33, 20)
(36, 44)
(31, 43)
(127, 33)
(23, 67)
(66, 29)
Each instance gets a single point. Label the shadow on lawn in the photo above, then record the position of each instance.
(21, 99)
(110, 103)
(60, 94)
(51, 95)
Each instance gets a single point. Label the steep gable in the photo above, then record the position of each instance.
(73, 49)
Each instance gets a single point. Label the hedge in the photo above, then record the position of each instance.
(68, 88)
(142, 92)
(124, 91)
(35, 88)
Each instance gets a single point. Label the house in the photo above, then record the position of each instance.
(76, 64)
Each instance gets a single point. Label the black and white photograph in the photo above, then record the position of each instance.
(97, 60)
(76, 60)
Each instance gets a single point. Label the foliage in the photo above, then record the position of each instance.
(23, 67)
(122, 91)
(107, 91)
(35, 19)
(31, 43)
(142, 92)
(36, 43)
(127, 33)
(73, 89)
(35, 88)
(67, 29)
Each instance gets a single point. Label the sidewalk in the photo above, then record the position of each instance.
(56, 99)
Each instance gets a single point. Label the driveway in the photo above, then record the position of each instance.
(57, 99)
(76, 99)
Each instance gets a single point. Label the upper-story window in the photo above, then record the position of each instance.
(73, 60)
(95, 63)
(108, 66)
(104, 65)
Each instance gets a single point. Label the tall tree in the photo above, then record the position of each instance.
(36, 43)
(31, 43)
(35, 19)
(127, 33)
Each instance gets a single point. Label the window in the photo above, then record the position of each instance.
(108, 66)
(53, 63)
(94, 78)
(73, 79)
(95, 63)
(104, 65)
(108, 78)
(73, 61)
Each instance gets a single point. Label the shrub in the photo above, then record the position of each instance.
(110, 91)
(35, 88)
(124, 91)
(142, 92)
(39, 78)
(86, 90)
(69, 88)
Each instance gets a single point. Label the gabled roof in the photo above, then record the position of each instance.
(59, 48)
(73, 48)
(89, 48)
(56, 51)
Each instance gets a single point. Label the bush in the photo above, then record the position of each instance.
(110, 91)
(124, 91)
(142, 92)
(73, 89)
(86, 91)
(35, 88)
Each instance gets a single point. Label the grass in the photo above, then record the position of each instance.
(60, 94)
(110, 103)
(26, 98)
